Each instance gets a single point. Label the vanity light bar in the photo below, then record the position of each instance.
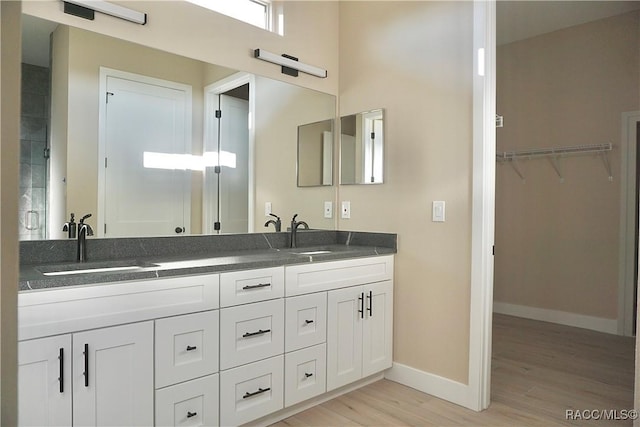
(112, 9)
(284, 61)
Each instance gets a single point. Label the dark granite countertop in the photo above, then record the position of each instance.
(146, 258)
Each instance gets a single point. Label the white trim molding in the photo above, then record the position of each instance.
(628, 232)
(600, 324)
(432, 384)
(483, 204)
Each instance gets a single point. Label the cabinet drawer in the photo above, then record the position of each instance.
(62, 310)
(251, 332)
(186, 347)
(251, 391)
(194, 403)
(323, 276)
(306, 321)
(242, 287)
(305, 374)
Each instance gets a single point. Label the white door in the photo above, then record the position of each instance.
(113, 376)
(234, 161)
(146, 135)
(44, 382)
(377, 331)
(344, 336)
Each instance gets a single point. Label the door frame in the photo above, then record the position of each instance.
(627, 260)
(211, 93)
(106, 72)
(483, 204)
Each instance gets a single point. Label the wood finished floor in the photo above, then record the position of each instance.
(539, 371)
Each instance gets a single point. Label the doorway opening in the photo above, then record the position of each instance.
(228, 187)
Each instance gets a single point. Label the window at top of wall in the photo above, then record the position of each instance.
(265, 14)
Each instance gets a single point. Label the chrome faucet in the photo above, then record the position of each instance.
(84, 230)
(277, 223)
(294, 230)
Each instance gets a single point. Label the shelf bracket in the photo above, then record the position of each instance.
(607, 164)
(516, 168)
(555, 163)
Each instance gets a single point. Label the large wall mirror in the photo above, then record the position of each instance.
(155, 144)
(362, 148)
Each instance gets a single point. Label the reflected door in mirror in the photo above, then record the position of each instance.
(146, 135)
(362, 148)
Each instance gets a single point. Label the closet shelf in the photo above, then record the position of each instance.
(554, 154)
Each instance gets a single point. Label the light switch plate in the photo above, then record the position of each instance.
(346, 210)
(267, 208)
(438, 211)
(328, 209)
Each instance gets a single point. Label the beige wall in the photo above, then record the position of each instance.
(557, 243)
(9, 155)
(414, 59)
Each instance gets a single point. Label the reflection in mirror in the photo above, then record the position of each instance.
(362, 148)
(71, 128)
(315, 154)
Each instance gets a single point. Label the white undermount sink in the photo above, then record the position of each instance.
(81, 268)
(313, 252)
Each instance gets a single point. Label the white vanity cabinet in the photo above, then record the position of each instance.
(44, 375)
(106, 336)
(215, 349)
(359, 332)
(107, 373)
(359, 292)
(113, 376)
(186, 366)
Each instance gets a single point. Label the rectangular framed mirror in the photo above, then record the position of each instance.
(315, 154)
(362, 148)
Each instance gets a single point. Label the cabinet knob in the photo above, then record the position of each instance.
(307, 375)
(191, 414)
(191, 347)
(308, 321)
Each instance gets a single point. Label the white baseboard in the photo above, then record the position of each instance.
(599, 324)
(432, 384)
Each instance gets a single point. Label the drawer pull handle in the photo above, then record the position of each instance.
(253, 334)
(307, 375)
(370, 308)
(308, 322)
(191, 347)
(191, 414)
(86, 365)
(255, 393)
(361, 301)
(61, 369)
(259, 285)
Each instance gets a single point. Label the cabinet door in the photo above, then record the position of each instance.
(377, 330)
(344, 336)
(44, 382)
(113, 376)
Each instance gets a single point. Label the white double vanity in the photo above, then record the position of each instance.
(223, 348)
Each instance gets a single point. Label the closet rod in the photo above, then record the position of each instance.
(553, 152)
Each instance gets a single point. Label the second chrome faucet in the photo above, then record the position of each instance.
(294, 230)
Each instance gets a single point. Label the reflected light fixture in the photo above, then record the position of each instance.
(290, 65)
(85, 9)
